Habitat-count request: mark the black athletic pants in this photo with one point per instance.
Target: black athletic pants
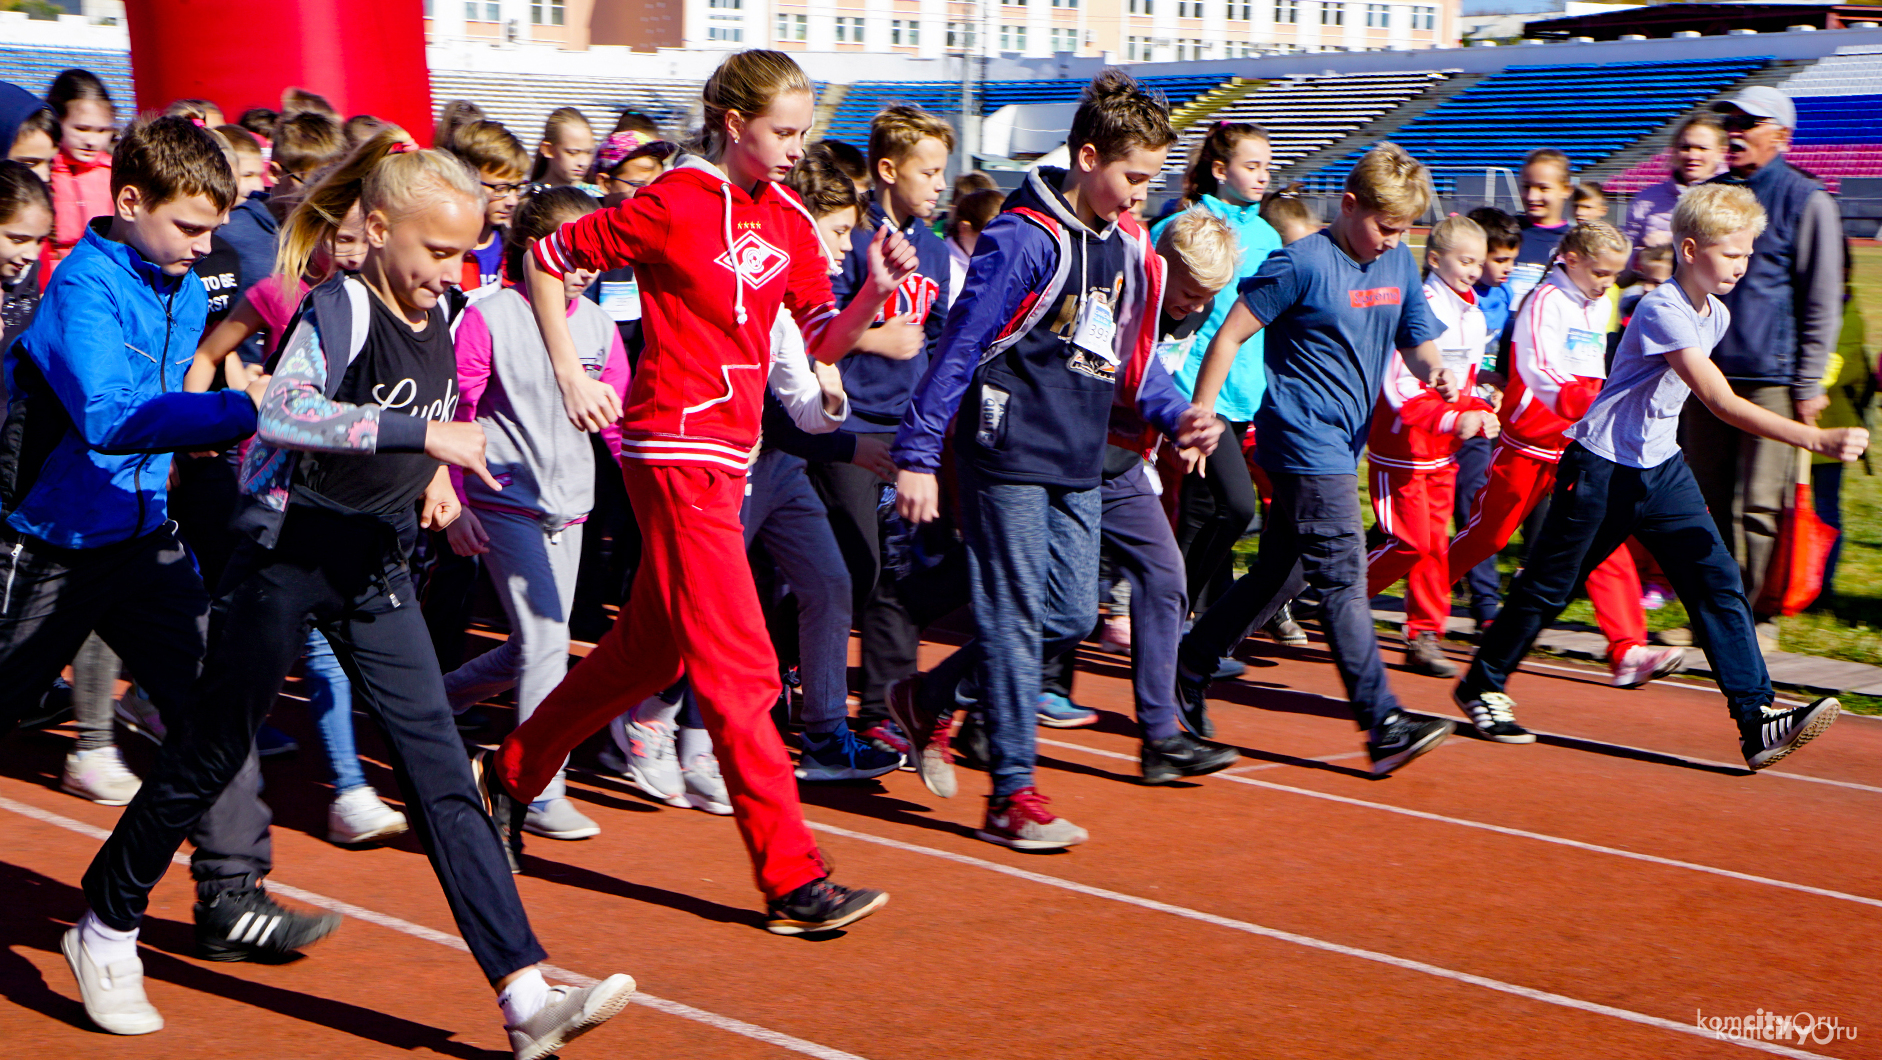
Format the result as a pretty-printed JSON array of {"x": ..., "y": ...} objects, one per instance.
[{"x": 348, "y": 573}]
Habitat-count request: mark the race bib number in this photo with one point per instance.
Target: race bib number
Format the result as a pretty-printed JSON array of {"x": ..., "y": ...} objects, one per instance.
[
  {"x": 621, "y": 300},
  {"x": 1097, "y": 329},
  {"x": 1587, "y": 354},
  {"x": 1174, "y": 353}
]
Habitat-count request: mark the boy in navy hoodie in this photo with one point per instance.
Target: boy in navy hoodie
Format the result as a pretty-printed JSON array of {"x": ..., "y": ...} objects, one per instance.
[
  {"x": 96, "y": 409},
  {"x": 1056, "y": 323},
  {"x": 908, "y": 158}
]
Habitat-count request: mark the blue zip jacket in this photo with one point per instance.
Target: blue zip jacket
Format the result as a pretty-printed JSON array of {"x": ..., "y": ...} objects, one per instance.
[
  {"x": 95, "y": 383},
  {"x": 1247, "y": 382},
  {"x": 1017, "y": 274},
  {"x": 878, "y": 387}
]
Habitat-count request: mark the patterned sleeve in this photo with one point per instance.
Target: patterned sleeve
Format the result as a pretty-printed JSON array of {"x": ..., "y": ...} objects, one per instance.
[{"x": 296, "y": 413}]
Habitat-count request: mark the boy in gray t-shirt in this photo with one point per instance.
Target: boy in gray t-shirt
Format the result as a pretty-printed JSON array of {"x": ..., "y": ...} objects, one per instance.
[{"x": 1619, "y": 479}]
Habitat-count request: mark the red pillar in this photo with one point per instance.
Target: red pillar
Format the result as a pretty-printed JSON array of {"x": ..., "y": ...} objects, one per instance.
[{"x": 366, "y": 56}]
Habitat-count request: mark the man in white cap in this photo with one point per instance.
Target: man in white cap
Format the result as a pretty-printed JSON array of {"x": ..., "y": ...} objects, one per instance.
[{"x": 1786, "y": 314}]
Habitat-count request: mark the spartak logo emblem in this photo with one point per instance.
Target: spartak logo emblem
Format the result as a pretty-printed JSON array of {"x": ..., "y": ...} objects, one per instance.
[{"x": 754, "y": 260}]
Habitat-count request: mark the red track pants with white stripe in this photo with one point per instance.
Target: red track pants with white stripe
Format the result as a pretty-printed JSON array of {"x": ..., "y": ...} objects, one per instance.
[
  {"x": 1414, "y": 508},
  {"x": 1517, "y": 483},
  {"x": 693, "y": 612}
]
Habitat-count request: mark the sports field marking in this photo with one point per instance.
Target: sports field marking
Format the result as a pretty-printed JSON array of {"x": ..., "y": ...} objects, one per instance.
[
  {"x": 445, "y": 938},
  {"x": 1319, "y": 944},
  {"x": 1505, "y": 830}
]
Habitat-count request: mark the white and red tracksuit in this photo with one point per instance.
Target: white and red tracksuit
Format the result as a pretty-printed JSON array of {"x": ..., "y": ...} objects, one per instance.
[
  {"x": 714, "y": 264},
  {"x": 1558, "y": 360},
  {"x": 1412, "y": 457}
]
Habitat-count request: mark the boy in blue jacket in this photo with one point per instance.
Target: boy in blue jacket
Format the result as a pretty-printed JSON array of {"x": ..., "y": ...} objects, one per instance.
[
  {"x": 1056, "y": 323},
  {"x": 96, "y": 409},
  {"x": 908, "y": 158}
]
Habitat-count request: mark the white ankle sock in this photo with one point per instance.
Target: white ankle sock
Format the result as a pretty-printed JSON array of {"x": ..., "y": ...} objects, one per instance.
[
  {"x": 692, "y": 744},
  {"x": 523, "y": 998},
  {"x": 107, "y": 945},
  {"x": 654, "y": 709}
]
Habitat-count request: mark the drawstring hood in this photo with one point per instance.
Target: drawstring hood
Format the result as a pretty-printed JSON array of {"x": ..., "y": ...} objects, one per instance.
[{"x": 738, "y": 282}]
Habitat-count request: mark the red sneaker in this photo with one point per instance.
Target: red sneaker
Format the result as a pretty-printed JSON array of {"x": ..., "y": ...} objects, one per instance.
[
  {"x": 1021, "y": 821},
  {"x": 929, "y": 736}
]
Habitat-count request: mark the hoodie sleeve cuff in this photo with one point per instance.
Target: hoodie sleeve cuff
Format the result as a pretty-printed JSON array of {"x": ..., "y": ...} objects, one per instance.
[{"x": 401, "y": 434}]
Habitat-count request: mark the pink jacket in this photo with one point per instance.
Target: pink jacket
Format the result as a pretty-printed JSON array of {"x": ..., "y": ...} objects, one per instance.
[{"x": 80, "y": 192}]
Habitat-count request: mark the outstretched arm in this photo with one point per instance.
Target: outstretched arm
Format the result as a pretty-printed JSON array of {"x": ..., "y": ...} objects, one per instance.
[{"x": 1702, "y": 374}]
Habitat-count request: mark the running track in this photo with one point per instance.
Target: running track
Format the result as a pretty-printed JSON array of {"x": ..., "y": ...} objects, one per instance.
[{"x": 1588, "y": 896}]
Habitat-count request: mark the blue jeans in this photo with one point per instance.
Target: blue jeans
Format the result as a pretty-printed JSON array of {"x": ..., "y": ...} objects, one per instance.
[
  {"x": 1032, "y": 556},
  {"x": 330, "y": 700},
  {"x": 1313, "y": 536},
  {"x": 1483, "y": 581},
  {"x": 1597, "y": 505},
  {"x": 782, "y": 510}
]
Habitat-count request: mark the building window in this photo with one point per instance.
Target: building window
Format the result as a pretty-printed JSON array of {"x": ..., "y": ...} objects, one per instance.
[
  {"x": 546, "y": 12},
  {"x": 1243, "y": 10},
  {"x": 1141, "y": 7},
  {"x": 1064, "y": 3},
  {"x": 1137, "y": 49},
  {"x": 1012, "y": 3},
  {"x": 961, "y": 35},
  {"x": 1012, "y": 38},
  {"x": 1188, "y": 8},
  {"x": 1333, "y": 14},
  {"x": 1424, "y": 18},
  {"x": 793, "y": 27},
  {"x": 1286, "y": 11},
  {"x": 484, "y": 11},
  {"x": 726, "y": 5},
  {"x": 908, "y": 32},
  {"x": 849, "y": 30},
  {"x": 1378, "y": 16},
  {"x": 734, "y": 34}
]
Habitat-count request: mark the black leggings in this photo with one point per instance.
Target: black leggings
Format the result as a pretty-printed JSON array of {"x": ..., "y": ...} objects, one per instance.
[{"x": 1217, "y": 509}]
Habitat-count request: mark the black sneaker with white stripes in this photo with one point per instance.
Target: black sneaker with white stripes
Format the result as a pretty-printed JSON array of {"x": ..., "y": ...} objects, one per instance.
[
  {"x": 1779, "y": 732},
  {"x": 247, "y": 925},
  {"x": 1492, "y": 716}
]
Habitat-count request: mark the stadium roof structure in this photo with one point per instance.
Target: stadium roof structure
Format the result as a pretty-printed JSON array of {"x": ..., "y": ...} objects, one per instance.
[{"x": 1714, "y": 19}]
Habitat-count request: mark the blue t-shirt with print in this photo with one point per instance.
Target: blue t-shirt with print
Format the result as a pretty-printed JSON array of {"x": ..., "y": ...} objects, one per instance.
[{"x": 1331, "y": 323}]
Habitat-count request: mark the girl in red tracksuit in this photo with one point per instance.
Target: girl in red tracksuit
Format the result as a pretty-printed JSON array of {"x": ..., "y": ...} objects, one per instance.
[
  {"x": 1558, "y": 359},
  {"x": 718, "y": 247},
  {"x": 1412, "y": 450}
]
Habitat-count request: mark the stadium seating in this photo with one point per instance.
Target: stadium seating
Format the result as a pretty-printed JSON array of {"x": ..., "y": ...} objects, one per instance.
[
  {"x": 523, "y": 101},
  {"x": 1587, "y": 111},
  {"x": 34, "y": 68},
  {"x": 1304, "y": 114},
  {"x": 850, "y": 123}
]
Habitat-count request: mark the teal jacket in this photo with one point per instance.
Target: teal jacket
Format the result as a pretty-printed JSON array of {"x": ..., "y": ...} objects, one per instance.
[{"x": 1248, "y": 379}]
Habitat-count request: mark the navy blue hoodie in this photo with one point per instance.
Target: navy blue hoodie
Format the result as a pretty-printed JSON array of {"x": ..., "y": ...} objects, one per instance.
[
  {"x": 1038, "y": 408},
  {"x": 878, "y": 387}
]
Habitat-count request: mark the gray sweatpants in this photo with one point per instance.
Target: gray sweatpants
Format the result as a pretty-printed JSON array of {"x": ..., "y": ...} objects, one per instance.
[{"x": 534, "y": 571}]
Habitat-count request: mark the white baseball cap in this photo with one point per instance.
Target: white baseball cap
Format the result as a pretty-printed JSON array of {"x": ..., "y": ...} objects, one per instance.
[{"x": 1763, "y": 101}]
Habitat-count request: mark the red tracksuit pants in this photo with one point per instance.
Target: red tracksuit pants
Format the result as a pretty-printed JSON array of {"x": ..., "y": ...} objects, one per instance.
[
  {"x": 693, "y": 612},
  {"x": 1414, "y": 508},
  {"x": 1517, "y": 483}
]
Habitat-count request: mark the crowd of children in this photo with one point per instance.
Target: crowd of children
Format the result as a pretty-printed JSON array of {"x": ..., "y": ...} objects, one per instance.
[{"x": 283, "y": 393}]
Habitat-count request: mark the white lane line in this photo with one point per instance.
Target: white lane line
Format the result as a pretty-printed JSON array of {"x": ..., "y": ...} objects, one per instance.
[
  {"x": 1319, "y": 944},
  {"x": 1504, "y": 830},
  {"x": 443, "y": 938},
  {"x": 1240, "y": 771}
]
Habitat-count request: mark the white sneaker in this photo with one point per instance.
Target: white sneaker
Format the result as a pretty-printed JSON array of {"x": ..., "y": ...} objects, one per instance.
[
  {"x": 1642, "y": 664},
  {"x": 101, "y": 776},
  {"x": 647, "y": 757},
  {"x": 558, "y": 819},
  {"x": 569, "y": 1014},
  {"x": 705, "y": 788},
  {"x": 357, "y": 815},
  {"x": 114, "y": 995}
]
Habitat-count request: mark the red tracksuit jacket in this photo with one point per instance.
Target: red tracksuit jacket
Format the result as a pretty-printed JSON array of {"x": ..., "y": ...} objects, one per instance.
[
  {"x": 1558, "y": 360},
  {"x": 714, "y": 265},
  {"x": 1412, "y": 425}
]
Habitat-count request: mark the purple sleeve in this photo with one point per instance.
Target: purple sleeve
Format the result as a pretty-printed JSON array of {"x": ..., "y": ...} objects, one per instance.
[{"x": 616, "y": 373}]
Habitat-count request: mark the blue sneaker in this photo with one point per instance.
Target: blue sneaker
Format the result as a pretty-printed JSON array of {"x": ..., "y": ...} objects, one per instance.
[
  {"x": 840, "y": 755},
  {"x": 1059, "y": 712}
]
